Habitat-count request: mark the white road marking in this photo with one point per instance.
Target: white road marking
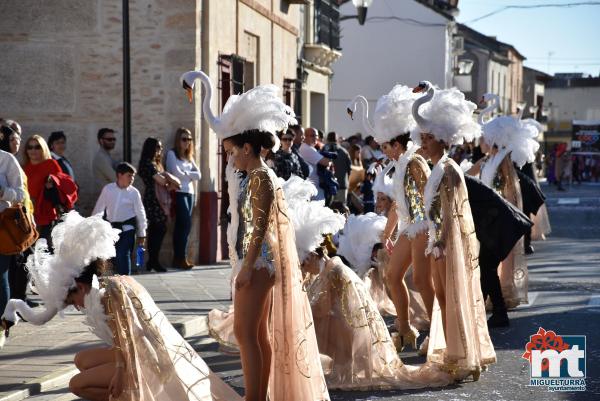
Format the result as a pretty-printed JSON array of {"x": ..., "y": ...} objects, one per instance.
[
  {"x": 568, "y": 201},
  {"x": 594, "y": 302}
]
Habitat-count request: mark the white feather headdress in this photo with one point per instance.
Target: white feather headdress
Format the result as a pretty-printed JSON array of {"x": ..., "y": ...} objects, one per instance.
[
  {"x": 311, "y": 221},
  {"x": 77, "y": 242},
  {"x": 384, "y": 182},
  {"x": 448, "y": 116},
  {"x": 360, "y": 234},
  {"x": 393, "y": 114},
  {"x": 518, "y": 137},
  {"x": 297, "y": 190}
]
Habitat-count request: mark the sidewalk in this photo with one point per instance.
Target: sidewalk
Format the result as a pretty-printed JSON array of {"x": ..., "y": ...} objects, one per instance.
[{"x": 38, "y": 359}]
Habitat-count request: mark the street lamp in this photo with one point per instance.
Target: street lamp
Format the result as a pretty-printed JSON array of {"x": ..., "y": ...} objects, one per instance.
[{"x": 361, "y": 11}]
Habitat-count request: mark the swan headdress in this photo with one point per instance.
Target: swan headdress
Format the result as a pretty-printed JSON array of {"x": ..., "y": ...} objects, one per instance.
[
  {"x": 358, "y": 238},
  {"x": 392, "y": 115},
  {"x": 311, "y": 220},
  {"x": 383, "y": 182},
  {"x": 259, "y": 108},
  {"x": 446, "y": 114},
  {"x": 77, "y": 242},
  {"x": 518, "y": 137}
]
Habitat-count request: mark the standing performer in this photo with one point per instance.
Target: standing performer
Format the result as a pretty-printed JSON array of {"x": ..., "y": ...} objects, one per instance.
[
  {"x": 458, "y": 339},
  {"x": 145, "y": 358},
  {"x": 393, "y": 122},
  {"x": 269, "y": 302},
  {"x": 507, "y": 139}
]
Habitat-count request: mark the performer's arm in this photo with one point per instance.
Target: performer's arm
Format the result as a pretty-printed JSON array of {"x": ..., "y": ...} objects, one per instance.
[{"x": 262, "y": 196}]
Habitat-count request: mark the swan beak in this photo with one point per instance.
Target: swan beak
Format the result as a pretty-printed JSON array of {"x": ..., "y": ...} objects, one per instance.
[
  {"x": 350, "y": 113},
  {"x": 190, "y": 94},
  {"x": 419, "y": 88}
]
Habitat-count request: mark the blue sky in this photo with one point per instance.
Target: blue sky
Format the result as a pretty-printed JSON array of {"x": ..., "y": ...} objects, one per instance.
[{"x": 572, "y": 35}]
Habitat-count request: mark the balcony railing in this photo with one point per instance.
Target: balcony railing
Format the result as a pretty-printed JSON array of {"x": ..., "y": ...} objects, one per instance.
[{"x": 327, "y": 23}]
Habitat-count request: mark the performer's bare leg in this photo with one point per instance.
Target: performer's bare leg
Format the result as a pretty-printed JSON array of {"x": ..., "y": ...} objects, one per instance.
[
  {"x": 398, "y": 265},
  {"x": 439, "y": 279},
  {"x": 265, "y": 348},
  {"x": 93, "y": 382},
  {"x": 250, "y": 305},
  {"x": 422, "y": 276}
]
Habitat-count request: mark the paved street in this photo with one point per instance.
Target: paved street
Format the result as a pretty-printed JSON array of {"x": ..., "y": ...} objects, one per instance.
[{"x": 564, "y": 296}]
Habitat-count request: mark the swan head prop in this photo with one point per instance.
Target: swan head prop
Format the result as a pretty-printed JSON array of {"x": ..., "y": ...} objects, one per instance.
[
  {"x": 422, "y": 86},
  {"x": 259, "y": 108},
  {"x": 488, "y": 97},
  {"x": 351, "y": 109},
  {"x": 445, "y": 114}
]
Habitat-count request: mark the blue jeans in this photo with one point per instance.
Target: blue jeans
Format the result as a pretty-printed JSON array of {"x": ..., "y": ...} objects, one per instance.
[
  {"x": 184, "y": 205},
  {"x": 4, "y": 287},
  {"x": 124, "y": 248}
]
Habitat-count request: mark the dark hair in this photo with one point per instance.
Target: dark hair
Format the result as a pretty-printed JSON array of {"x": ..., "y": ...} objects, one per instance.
[
  {"x": 99, "y": 267},
  {"x": 332, "y": 137},
  {"x": 255, "y": 138},
  {"x": 369, "y": 139},
  {"x": 124, "y": 168},
  {"x": 55, "y": 136},
  {"x": 320, "y": 134},
  {"x": 5, "y": 133},
  {"x": 288, "y": 131},
  {"x": 148, "y": 150},
  {"x": 401, "y": 139},
  {"x": 104, "y": 131}
]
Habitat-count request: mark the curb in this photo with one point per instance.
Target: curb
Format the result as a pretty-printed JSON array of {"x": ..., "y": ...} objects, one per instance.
[{"x": 186, "y": 327}]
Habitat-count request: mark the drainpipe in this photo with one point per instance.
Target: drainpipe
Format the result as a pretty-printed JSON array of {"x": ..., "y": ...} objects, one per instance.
[
  {"x": 126, "y": 86},
  {"x": 208, "y": 203}
]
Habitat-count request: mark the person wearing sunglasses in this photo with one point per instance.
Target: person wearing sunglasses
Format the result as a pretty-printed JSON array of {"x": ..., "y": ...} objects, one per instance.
[
  {"x": 287, "y": 163},
  {"x": 103, "y": 164},
  {"x": 180, "y": 163},
  {"x": 39, "y": 167}
]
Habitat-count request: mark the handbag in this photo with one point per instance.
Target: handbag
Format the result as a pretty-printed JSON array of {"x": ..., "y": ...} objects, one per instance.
[{"x": 17, "y": 230}]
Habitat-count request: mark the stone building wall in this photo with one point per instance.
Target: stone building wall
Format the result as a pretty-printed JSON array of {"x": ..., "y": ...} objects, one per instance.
[{"x": 62, "y": 70}]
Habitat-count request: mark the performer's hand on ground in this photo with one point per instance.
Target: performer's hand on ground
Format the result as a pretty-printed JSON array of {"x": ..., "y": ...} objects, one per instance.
[{"x": 243, "y": 278}]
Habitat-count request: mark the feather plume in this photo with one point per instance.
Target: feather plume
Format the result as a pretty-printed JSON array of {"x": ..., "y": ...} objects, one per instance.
[
  {"x": 393, "y": 114},
  {"x": 359, "y": 235},
  {"x": 449, "y": 118},
  {"x": 519, "y": 137},
  {"x": 311, "y": 221}
]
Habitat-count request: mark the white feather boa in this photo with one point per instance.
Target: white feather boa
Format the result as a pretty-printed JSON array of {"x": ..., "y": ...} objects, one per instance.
[
  {"x": 431, "y": 190},
  {"x": 234, "y": 180},
  {"x": 399, "y": 176},
  {"x": 490, "y": 167},
  {"x": 95, "y": 316}
]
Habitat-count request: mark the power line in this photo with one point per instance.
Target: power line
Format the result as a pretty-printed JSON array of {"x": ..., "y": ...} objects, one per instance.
[{"x": 550, "y": 5}]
